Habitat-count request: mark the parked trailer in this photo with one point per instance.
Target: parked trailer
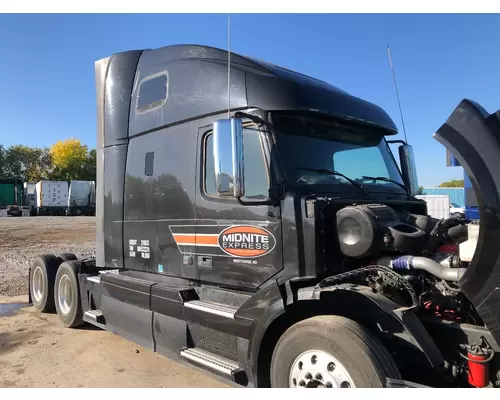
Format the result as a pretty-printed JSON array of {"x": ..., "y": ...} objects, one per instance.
[
  {"x": 11, "y": 196},
  {"x": 81, "y": 198},
  {"x": 29, "y": 200},
  {"x": 51, "y": 197},
  {"x": 438, "y": 206},
  {"x": 260, "y": 249}
]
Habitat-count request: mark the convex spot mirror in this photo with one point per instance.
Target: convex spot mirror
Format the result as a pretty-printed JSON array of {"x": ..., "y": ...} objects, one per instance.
[{"x": 228, "y": 157}]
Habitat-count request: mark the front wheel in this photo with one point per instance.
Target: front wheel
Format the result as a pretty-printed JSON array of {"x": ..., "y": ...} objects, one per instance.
[{"x": 330, "y": 352}]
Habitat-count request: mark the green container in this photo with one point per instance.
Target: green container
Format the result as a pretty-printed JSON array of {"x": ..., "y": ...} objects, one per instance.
[{"x": 11, "y": 192}]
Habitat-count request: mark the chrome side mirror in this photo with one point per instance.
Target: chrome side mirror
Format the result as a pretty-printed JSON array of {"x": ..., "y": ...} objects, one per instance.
[{"x": 228, "y": 157}]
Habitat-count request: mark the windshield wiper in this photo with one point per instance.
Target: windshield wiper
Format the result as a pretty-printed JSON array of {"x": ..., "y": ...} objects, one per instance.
[
  {"x": 385, "y": 179},
  {"x": 331, "y": 172}
]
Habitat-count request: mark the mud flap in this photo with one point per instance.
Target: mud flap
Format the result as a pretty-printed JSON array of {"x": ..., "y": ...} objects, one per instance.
[{"x": 473, "y": 137}]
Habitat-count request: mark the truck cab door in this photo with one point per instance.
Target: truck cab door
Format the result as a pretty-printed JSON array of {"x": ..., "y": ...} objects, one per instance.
[
  {"x": 473, "y": 137},
  {"x": 238, "y": 241}
]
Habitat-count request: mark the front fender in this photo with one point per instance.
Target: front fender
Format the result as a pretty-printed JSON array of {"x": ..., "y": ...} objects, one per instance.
[{"x": 397, "y": 325}]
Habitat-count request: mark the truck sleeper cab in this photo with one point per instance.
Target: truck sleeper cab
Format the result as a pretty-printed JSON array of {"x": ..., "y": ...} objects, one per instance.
[{"x": 275, "y": 247}]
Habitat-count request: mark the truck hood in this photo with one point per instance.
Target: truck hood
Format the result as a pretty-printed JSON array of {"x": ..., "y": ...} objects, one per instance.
[{"x": 473, "y": 137}]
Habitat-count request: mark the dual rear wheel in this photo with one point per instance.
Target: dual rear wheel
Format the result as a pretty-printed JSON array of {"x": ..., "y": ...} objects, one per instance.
[{"x": 54, "y": 287}]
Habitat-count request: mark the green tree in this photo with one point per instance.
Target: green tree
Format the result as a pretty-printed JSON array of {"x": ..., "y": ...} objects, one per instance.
[
  {"x": 2, "y": 160},
  {"x": 454, "y": 183},
  {"x": 420, "y": 190}
]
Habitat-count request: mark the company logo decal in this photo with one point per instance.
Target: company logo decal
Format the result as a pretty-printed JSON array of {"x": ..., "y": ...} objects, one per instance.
[
  {"x": 240, "y": 241},
  {"x": 246, "y": 241}
]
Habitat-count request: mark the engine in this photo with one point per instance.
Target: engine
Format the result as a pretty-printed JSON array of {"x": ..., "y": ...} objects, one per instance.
[{"x": 410, "y": 258}]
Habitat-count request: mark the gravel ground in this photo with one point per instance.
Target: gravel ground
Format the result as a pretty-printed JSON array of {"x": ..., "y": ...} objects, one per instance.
[{"x": 23, "y": 238}]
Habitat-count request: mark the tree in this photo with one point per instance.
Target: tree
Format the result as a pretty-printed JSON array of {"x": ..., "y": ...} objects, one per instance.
[
  {"x": 90, "y": 167},
  {"x": 70, "y": 159},
  {"x": 2, "y": 160},
  {"x": 22, "y": 162},
  {"x": 454, "y": 183},
  {"x": 420, "y": 190},
  {"x": 66, "y": 160}
]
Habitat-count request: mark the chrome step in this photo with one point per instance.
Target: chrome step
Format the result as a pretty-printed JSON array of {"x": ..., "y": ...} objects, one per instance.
[
  {"x": 209, "y": 360},
  {"x": 211, "y": 307},
  {"x": 95, "y": 316},
  {"x": 95, "y": 279}
]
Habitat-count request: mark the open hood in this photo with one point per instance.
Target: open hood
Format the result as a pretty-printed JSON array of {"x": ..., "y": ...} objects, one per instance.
[{"x": 473, "y": 137}]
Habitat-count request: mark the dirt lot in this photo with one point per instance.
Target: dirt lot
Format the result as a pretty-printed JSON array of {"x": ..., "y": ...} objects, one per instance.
[
  {"x": 23, "y": 238},
  {"x": 36, "y": 351}
]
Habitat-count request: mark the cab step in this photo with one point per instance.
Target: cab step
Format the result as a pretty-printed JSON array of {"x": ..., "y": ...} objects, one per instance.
[
  {"x": 203, "y": 358},
  {"x": 95, "y": 316},
  {"x": 211, "y": 307},
  {"x": 95, "y": 279}
]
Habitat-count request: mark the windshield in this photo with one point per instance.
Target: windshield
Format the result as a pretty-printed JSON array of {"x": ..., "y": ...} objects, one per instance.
[{"x": 310, "y": 147}]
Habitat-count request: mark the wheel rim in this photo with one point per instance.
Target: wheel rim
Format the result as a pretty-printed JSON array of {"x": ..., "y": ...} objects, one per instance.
[
  {"x": 318, "y": 369},
  {"x": 37, "y": 284},
  {"x": 65, "y": 294}
]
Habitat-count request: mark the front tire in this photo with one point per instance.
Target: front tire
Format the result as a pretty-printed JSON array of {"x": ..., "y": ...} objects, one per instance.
[
  {"x": 67, "y": 295},
  {"x": 332, "y": 352}
]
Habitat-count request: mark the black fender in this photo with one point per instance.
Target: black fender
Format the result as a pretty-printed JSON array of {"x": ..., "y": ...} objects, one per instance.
[
  {"x": 396, "y": 324},
  {"x": 266, "y": 308}
]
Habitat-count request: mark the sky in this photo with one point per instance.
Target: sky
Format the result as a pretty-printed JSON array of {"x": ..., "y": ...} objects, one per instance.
[{"x": 47, "y": 68}]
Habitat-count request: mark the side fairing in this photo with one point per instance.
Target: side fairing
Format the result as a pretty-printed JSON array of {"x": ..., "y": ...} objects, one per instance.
[{"x": 473, "y": 137}]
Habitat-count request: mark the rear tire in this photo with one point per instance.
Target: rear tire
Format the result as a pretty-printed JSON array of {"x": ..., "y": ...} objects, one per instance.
[
  {"x": 67, "y": 294},
  {"x": 331, "y": 351},
  {"x": 42, "y": 276},
  {"x": 67, "y": 256}
]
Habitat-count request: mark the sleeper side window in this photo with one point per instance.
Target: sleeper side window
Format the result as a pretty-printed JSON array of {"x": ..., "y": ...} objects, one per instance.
[
  {"x": 256, "y": 173},
  {"x": 152, "y": 93}
]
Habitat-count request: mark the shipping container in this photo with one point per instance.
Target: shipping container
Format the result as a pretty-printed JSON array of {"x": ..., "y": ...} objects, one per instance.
[
  {"x": 438, "y": 206},
  {"x": 81, "y": 198},
  {"x": 51, "y": 197},
  {"x": 11, "y": 192}
]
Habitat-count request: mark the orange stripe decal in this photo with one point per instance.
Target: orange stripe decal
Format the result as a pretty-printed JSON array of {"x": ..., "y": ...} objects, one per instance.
[{"x": 195, "y": 239}]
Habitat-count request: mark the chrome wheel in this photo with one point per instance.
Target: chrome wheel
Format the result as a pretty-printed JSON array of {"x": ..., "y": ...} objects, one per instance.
[
  {"x": 37, "y": 284},
  {"x": 318, "y": 369},
  {"x": 64, "y": 294}
]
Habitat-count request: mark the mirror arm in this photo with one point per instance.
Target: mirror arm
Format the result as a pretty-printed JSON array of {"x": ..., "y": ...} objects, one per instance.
[
  {"x": 251, "y": 117},
  {"x": 396, "y": 141}
]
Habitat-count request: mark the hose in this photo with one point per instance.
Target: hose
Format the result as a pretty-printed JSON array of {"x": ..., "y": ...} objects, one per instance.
[{"x": 431, "y": 266}]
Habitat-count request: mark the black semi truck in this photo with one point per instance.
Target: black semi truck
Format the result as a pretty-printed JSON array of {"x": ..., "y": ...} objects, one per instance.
[{"x": 276, "y": 242}]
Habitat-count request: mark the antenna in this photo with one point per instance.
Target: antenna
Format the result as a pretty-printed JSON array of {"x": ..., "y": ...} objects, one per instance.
[
  {"x": 397, "y": 93},
  {"x": 229, "y": 66}
]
